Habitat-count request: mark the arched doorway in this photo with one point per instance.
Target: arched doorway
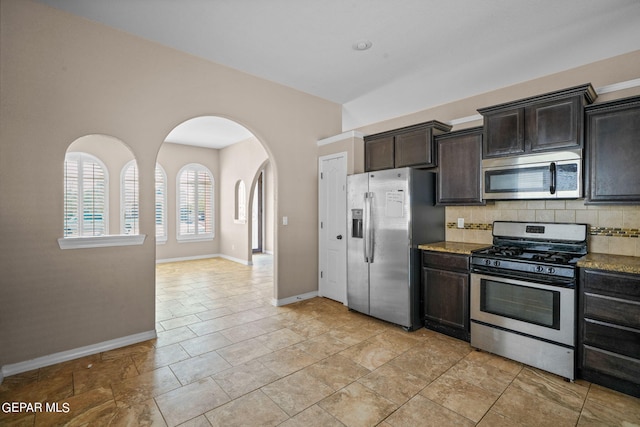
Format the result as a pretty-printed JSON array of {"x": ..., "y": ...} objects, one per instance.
[{"x": 229, "y": 154}]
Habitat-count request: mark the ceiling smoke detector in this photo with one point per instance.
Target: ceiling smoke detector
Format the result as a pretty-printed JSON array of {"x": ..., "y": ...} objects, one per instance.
[{"x": 362, "y": 45}]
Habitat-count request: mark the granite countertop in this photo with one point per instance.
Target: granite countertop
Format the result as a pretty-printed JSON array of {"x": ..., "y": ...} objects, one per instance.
[
  {"x": 617, "y": 263},
  {"x": 453, "y": 247}
]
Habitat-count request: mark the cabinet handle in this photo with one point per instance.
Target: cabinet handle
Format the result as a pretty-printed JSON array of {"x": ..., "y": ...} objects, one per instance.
[{"x": 552, "y": 171}]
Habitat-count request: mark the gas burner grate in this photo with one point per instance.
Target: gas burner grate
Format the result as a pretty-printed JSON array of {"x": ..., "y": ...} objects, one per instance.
[
  {"x": 553, "y": 257},
  {"x": 509, "y": 251}
]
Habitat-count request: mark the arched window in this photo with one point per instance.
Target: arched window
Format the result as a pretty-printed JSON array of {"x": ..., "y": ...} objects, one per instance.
[
  {"x": 85, "y": 196},
  {"x": 161, "y": 204},
  {"x": 129, "y": 199},
  {"x": 241, "y": 202},
  {"x": 195, "y": 203}
]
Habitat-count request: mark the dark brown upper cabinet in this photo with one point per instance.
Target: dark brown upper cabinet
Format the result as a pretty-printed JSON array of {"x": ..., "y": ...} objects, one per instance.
[
  {"x": 613, "y": 152},
  {"x": 541, "y": 123},
  {"x": 408, "y": 146},
  {"x": 459, "y": 167}
]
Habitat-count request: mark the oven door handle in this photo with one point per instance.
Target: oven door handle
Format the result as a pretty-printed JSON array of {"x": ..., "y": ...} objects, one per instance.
[{"x": 553, "y": 173}]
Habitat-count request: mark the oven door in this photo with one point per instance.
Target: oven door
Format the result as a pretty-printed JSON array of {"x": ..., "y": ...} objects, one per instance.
[
  {"x": 533, "y": 177},
  {"x": 539, "y": 310}
]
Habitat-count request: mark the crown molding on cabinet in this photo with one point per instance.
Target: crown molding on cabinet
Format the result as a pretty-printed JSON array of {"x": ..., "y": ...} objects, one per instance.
[{"x": 618, "y": 86}]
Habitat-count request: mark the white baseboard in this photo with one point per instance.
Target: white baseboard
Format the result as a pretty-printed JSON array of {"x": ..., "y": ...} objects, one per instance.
[
  {"x": 295, "y": 298},
  {"x": 188, "y": 258},
  {"x": 196, "y": 257},
  {"x": 238, "y": 260},
  {"x": 64, "y": 356}
]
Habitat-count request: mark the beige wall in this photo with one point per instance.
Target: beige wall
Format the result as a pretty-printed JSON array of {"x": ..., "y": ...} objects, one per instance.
[
  {"x": 172, "y": 158},
  {"x": 63, "y": 77},
  {"x": 348, "y": 143},
  {"x": 241, "y": 161},
  {"x": 269, "y": 206},
  {"x": 602, "y": 73}
]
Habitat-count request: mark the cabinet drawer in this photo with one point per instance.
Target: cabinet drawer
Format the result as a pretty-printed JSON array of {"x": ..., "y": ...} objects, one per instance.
[
  {"x": 626, "y": 286},
  {"x": 613, "y": 364},
  {"x": 445, "y": 261},
  {"x": 625, "y": 341},
  {"x": 610, "y": 309}
]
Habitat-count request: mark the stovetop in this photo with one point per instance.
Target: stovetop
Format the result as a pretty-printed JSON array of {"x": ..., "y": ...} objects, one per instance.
[
  {"x": 533, "y": 250},
  {"x": 515, "y": 253}
]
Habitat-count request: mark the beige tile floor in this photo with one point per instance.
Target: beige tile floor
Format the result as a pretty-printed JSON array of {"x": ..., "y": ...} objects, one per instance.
[{"x": 225, "y": 356}]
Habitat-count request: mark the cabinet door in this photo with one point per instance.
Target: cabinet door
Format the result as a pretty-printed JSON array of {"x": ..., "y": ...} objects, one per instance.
[
  {"x": 504, "y": 133},
  {"x": 554, "y": 124},
  {"x": 378, "y": 154},
  {"x": 613, "y": 154},
  {"x": 459, "y": 168},
  {"x": 414, "y": 149},
  {"x": 446, "y": 297}
]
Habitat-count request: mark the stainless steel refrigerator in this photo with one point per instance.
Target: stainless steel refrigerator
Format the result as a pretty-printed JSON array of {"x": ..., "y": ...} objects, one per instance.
[{"x": 390, "y": 212}]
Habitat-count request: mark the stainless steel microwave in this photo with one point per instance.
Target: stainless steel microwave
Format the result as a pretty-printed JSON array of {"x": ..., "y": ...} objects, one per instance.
[{"x": 550, "y": 175}]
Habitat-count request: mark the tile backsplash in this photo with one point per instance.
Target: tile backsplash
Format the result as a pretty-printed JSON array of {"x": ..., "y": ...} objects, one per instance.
[{"x": 612, "y": 229}]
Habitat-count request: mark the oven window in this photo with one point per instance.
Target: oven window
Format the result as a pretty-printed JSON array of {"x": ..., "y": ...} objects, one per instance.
[{"x": 525, "y": 303}]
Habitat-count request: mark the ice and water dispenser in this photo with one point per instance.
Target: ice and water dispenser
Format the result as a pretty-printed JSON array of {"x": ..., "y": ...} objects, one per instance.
[{"x": 356, "y": 223}]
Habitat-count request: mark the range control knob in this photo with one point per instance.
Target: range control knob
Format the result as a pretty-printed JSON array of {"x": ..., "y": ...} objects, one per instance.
[
  {"x": 539, "y": 269},
  {"x": 487, "y": 262},
  {"x": 496, "y": 263},
  {"x": 551, "y": 270}
]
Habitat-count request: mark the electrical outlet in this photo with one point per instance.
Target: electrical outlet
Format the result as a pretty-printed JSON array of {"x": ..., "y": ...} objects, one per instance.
[
  {"x": 460, "y": 222},
  {"x": 285, "y": 220}
]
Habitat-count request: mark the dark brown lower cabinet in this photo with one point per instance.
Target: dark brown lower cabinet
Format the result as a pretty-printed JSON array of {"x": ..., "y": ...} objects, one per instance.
[
  {"x": 609, "y": 330},
  {"x": 445, "y": 287}
]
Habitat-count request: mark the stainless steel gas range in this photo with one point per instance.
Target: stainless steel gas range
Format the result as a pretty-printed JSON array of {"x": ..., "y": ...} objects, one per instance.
[{"x": 523, "y": 299}]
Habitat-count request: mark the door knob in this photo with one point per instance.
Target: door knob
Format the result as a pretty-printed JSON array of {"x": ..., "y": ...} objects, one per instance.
[{"x": 339, "y": 237}]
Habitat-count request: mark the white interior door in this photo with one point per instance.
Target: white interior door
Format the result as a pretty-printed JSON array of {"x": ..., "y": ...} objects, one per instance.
[{"x": 332, "y": 203}]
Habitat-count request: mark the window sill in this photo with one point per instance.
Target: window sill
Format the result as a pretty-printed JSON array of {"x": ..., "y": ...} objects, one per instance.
[{"x": 101, "y": 241}]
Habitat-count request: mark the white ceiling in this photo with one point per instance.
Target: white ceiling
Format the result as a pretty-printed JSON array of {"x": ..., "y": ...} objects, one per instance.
[
  {"x": 211, "y": 132},
  {"x": 424, "y": 52}
]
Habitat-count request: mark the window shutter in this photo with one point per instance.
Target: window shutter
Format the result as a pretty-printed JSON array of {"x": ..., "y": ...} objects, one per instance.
[
  {"x": 195, "y": 195},
  {"x": 130, "y": 199},
  {"x": 93, "y": 203},
  {"x": 71, "y": 198},
  {"x": 85, "y": 196},
  {"x": 161, "y": 203},
  {"x": 205, "y": 204}
]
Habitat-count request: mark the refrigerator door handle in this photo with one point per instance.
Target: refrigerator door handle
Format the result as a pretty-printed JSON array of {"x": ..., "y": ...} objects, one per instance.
[{"x": 368, "y": 233}]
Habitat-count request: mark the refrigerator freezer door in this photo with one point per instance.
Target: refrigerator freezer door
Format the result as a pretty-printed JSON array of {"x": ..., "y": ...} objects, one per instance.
[
  {"x": 357, "y": 267},
  {"x": 389, "y": 284}
]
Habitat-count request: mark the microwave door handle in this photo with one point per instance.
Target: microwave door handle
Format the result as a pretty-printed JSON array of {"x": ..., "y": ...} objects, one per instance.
[{"x": 552, "y": 172}]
